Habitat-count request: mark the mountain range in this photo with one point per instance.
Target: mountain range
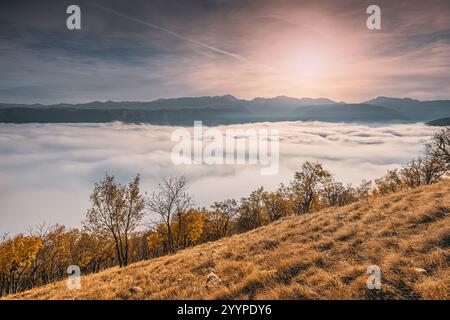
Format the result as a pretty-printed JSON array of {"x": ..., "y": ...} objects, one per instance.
[{"x": 227, "y": 109}]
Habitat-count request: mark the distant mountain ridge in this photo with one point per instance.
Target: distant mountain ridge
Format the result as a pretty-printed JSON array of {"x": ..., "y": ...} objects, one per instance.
[
  {"x": 442, "y": 122},
  {"x": 225, "y": 101},
  {"x": 228, "y": 109},
  {"x": 415, "y": 110},
  {"x": 160, "y": 104}
]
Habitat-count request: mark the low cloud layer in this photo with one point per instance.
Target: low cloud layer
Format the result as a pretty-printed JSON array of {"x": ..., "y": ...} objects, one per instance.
[{"x": 47, "y": 170}]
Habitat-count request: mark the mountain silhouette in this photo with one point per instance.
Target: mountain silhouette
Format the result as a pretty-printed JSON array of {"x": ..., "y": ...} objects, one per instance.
[{"x": 227, "y": 109}]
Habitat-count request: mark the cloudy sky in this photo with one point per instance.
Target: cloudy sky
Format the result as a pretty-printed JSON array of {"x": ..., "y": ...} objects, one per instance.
[
  {"x": 47, "y": 171},
  {"x": 148, "y": 49}
]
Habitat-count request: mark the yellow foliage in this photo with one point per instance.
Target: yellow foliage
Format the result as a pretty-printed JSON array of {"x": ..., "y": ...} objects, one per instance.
[
  {"x": 192, "y": 225},
  {"x": 156, "y": 240},
  {"x": 187, "y": 227},
  {"x": 19, "y": 253}
]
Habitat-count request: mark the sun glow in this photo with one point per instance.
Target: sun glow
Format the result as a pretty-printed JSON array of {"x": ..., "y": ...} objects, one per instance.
[{"x": 308, "y": 64}]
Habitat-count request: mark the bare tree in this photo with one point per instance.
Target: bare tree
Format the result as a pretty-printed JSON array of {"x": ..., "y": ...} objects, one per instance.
[
  {"x": 331, "y": 192},
  {"x": 433, "y": 169},
  {"x": 412, "y": 173},
  {"x": 439, "y": 146},
  {"x": 424, "y": 170},
  {"x": 171, "y": 198},
  {"x": 116, "y": 210}
]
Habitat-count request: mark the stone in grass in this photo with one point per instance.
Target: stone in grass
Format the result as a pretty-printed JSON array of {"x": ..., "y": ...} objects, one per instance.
[
  {"x": 135, "y": 290},
  {"x": 212, "y": 277}
]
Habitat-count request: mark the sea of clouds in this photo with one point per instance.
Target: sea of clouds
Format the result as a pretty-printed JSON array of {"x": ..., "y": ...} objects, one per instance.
[{"x": 47, "y": 170}]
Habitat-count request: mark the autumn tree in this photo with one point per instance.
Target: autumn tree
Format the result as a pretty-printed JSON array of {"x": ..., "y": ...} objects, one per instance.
[
  {"x": 115, "y": 210},
  {"x": 157, "y": 241},
  {"x": 55, "y": 255},
  {"x": 16, "y": 256},
  {"x": 171, "y": 198},
  {"x": 412, "y": 173},
  {"x": 306, "y": 186},
  {"x": 433, "y": 165},
  {"x": 252, "y": 211},
  {"x": 276, "y": 204},
  {"x": 332, "y": 192},
  {"x": 220, "y": 217},
  {"x": 188, "y": 227},
  {"x": 92, "y": 253},
  {"x": 139, "y": 249},
  {"x": 423, "y": 170},
  {"x": 389, "y": 183}
]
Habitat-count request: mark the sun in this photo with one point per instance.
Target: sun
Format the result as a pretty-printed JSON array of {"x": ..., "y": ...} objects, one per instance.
[{"x": 309, "y": 61}]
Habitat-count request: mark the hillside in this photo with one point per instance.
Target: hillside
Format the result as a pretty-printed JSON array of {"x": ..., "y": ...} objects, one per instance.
[
  {"x": 443, "y": 122},
  {"x": 323, "y": 255}
]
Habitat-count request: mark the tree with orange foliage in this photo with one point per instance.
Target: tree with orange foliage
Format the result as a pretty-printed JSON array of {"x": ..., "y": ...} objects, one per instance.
[
  {"x": 188, "y": 227},
  {"x": 276, "y": 204},
  {"x": 306, "y": 186},
  {"x": 16, "y": 255},
  {"x": 219, "y": 218},
  {"x": 116, "y": 210},
  {"x": 252, "y": 213}
]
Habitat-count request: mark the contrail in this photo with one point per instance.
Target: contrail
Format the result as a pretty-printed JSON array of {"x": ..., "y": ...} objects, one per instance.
[{"x": 177, "y": 35}]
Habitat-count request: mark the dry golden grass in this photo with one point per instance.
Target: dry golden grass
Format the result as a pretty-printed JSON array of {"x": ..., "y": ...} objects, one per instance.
[{"x": 322, "y": 255}]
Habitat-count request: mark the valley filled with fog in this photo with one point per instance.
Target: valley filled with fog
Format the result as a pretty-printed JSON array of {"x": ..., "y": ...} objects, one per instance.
[{"x": 47, "y": 171}]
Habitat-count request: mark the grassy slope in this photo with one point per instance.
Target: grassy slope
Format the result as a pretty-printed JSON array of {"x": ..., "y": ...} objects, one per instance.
[{"x": 315, "y": 256}]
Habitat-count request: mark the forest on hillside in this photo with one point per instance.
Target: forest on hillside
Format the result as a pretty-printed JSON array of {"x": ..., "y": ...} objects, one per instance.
[{"x": 124, "y": 225}]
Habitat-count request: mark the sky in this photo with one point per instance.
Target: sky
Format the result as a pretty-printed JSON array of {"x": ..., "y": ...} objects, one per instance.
[
  {"x": 47, "y": 171},
  {"x": 145, "y": 50}
]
